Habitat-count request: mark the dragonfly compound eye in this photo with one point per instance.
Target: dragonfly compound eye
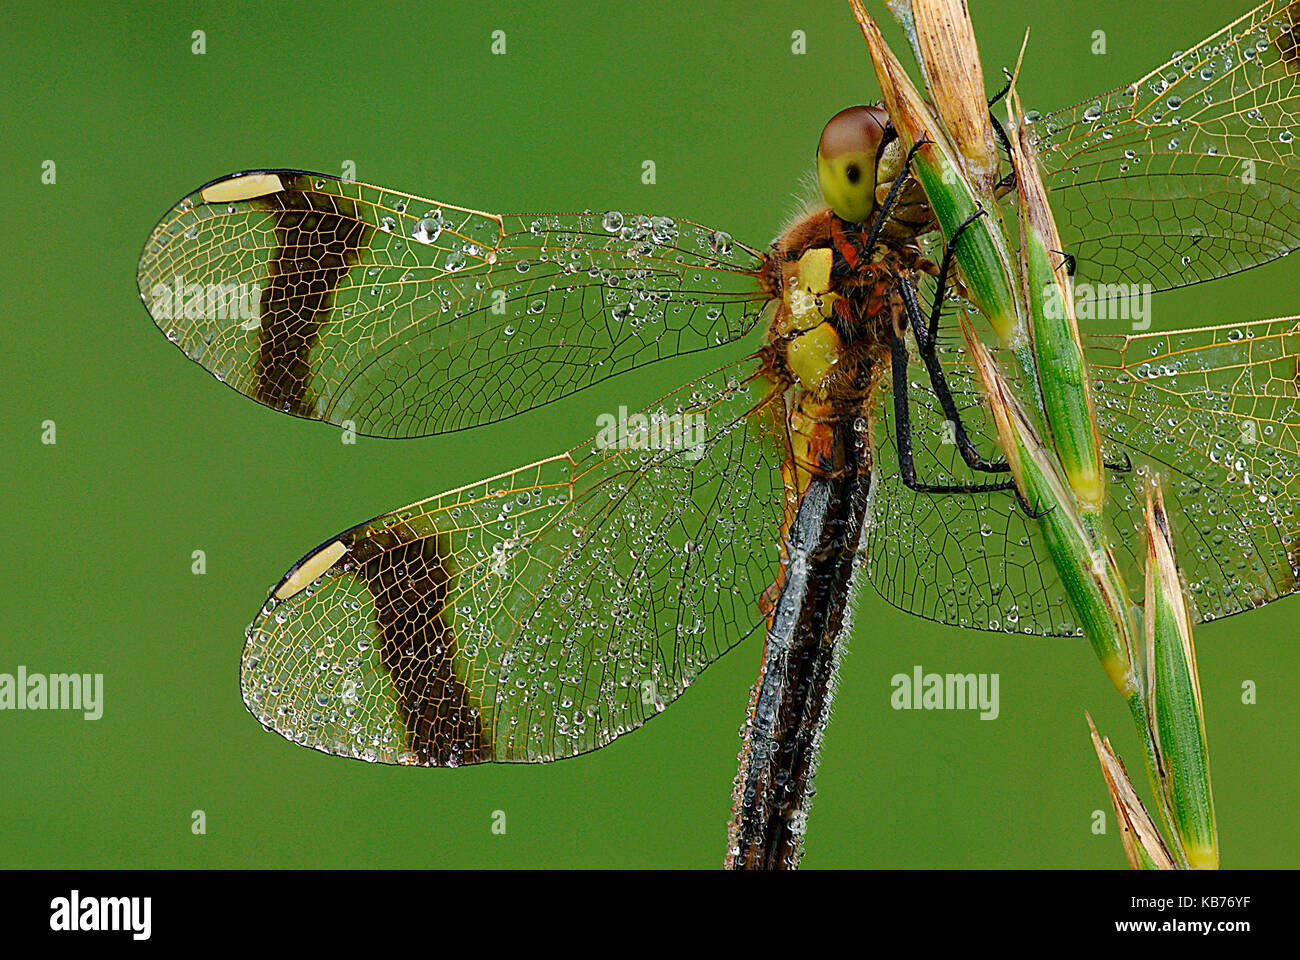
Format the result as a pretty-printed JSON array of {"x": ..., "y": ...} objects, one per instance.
[{"x": 846, "y": 161}]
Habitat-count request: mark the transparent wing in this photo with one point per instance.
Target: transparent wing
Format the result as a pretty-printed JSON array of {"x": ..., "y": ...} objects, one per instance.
[
  {"x": 1189, "y": 173},
  {"x": 539, "y": 614},
  {"x": 1214, "y": 410},
  {"x": 336, "y": 300}
]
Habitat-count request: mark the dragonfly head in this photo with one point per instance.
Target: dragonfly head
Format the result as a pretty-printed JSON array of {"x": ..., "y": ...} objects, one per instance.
[{"x": 852, "y": 148}]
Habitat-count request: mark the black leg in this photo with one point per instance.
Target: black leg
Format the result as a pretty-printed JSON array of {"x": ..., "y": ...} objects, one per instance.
[
  {"x": 903, "y": 432},
  {"x": 1003, "y": 92},
  {"x": 891, "y": 198},
  {"x": 926, "y": 337},
  {"x": 942, "y": 392},
  {"x": 903, "y": 436},
  {"x": 998, "y": 131},
  {"x": 945, "y": 265},
  {"x": 1000, "y": 134}
]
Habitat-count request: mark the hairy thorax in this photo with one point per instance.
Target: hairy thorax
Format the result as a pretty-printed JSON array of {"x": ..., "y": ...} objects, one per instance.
[
  {"x": 838, "y": 306},
  {"x": 828, "y": 342}
]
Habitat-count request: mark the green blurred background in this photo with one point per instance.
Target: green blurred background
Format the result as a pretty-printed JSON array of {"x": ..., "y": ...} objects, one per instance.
[{"x": 155, "y": 460}]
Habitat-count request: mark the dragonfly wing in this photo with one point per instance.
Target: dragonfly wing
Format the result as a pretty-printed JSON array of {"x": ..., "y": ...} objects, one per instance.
[
  {"x": 1214, "y": 410},
  {"x": 1191, "y": 172},
  {"x": 341, "y": 301},
  {"x": 539, "y": 614}
]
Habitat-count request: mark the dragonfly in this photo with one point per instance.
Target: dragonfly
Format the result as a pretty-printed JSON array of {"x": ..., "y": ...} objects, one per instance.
[{"x": 543, "y": 613}]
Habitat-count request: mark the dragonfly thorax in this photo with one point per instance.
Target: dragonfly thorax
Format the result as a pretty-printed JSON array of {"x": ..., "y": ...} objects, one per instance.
[{"x": 838, "y": 304}]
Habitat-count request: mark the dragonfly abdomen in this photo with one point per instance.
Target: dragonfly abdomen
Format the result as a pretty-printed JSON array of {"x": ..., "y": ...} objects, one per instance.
[{"x": 796, "y": 685}]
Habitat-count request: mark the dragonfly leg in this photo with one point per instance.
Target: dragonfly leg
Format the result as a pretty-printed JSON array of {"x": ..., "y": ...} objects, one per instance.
[
  {"x": 1007, "y": 183},
  {"x": 891, "y": 198},
  {"x": 997, "y": 97},
  {"x": 945, "y": 267},
  {"x": 998, "y": 132},
  {"x": 903, "y": 435},
  {"x": 926, "y": 334}
]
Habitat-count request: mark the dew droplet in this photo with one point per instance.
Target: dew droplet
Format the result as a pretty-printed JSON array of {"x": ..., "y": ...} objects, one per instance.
[{"x": 427, "y": 229}]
